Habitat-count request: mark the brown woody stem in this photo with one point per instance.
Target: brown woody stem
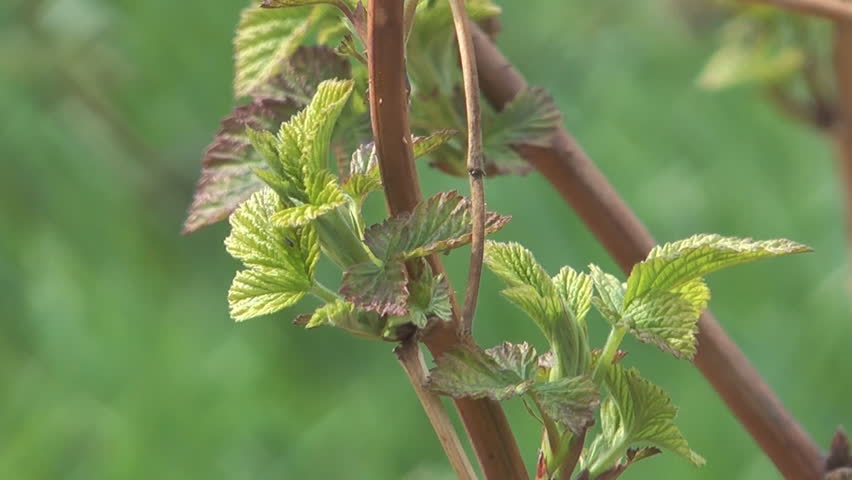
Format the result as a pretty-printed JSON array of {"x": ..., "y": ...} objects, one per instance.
[
  {"x": 474, "y": 163},
  {"x": 585, "y": 188},
  {"x": 411, "y": 359},
  {"x": 484, "y": 420},
  {"x": 843, "y": 128}
]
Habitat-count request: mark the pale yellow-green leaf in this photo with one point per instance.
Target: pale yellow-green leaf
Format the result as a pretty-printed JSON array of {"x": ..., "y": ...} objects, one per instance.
[
  {"x": 575, "y": 288},
  {"x": 304, "y": 140},
  {"x": 265, "y": 38},
  {"x": 279, "y": 261},
  {"x": 323, "y": 195},
  {"x": 258, "y": 292},
  {"x": 610, "y": 294}
]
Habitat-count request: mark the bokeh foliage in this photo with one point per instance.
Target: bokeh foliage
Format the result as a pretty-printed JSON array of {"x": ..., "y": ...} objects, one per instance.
[{"x": 117, "y": 357}]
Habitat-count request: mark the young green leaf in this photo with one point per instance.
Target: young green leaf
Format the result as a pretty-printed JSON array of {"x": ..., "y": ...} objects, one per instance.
[
  {"x": 610, "y": 298},
  {"x": 438, "y": 224},
  {"x": 429, "y": 297},
  {"x": 575, "y": 288},
  {"x": 303, "y": 71},
  {"x": 348, "y": 317},
  {"x": 280, "y": 261},
  {"x": 531, "y": 118},
  {"x": 425, "y": 145},
  {"x": 668, "y": 320},
  {"x": 665, "y": 294},
  {"x": 637, "y": 413},
  {"x": 227, "y": 177},
  {"x": 517, "y": 267},
  {"x": 534, "y": 292},
  {"x": 265, "y": 38},
  {"x": 381, "y": 289},
  {"x": 303, "y": 142},
  {"x": 673, "y": 264},
  {"x": 499, "y": 373},
  {"x": 570, "y": 401},
  {"x": 545, "y": 311},
  {"x": 364, "y": 176},
  {"x": 323, "y": 195}
]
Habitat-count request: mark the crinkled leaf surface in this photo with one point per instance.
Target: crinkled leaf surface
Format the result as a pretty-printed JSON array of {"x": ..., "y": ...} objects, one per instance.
[
  {"x": 641, "y": 413},
  {"x": 673, "y": 264},
  {"x": 437, "y": 224},
  {"x": 575, "y": 288},
  {"x": 531, "y": 118},
  {"x": 665, "y": 294},
  {"x": 323, "y": 195},
  {"x": 429, "y": 296},
  {"x": 534, "y": 292},
  {"x": 265, "y": 38},
  {"x": 348, "y": 317},
  {"x": 227, "y": 176},
  {"x": 570, "y": 401},
  {"x": 670, "y": 319},
  {"x": 610, "y": 294},
  {"x": 517, "y": 267},
  {"x": 364, "y": 176},
  {"x": 279, "y": 261},
  {"x": 498, "y": 374},
  {"x": 381, "y": 289},
  {"x": 304, "y": 141}
]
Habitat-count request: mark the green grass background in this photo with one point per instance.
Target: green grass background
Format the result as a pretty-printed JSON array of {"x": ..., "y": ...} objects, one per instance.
[{"x": 117, "y": 356}]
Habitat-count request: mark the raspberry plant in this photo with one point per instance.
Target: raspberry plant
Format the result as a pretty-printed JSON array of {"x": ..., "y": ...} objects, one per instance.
[{"x": 294, "y": 162}]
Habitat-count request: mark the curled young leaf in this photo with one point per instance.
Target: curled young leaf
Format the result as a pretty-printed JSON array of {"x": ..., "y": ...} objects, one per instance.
[
  {"x": 322, "y": 195},
  {"x": 381, "y": 289},
  {"x": 533, "y": 291},
  {"x": 572, "y": 402},
  {"x": 575, "y": 288},
  {"x": 346, "y": 316},
  {"x": 498, "y": 374}
]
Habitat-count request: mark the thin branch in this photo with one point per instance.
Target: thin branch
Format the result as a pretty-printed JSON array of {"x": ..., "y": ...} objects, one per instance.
[
  {"x": 830, "y": 9},
  {"x": 585, "y": 188},
  {"x": 843, "y": 130},
  {"x": 474, "y": 162},
  {"x": 484, "y": 420},
  {"x": 411, "y": 359}
]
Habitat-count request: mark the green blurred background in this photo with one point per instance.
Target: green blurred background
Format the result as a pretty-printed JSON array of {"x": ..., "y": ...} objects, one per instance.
[{"x": 117, "y": 356}]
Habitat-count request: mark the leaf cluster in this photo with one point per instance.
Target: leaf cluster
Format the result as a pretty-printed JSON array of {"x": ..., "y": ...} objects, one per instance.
[
  {"x": 306, "y": 209},
  {"x": 293, "y": 163},
  {"x": 659, "y": 304}
]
